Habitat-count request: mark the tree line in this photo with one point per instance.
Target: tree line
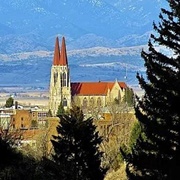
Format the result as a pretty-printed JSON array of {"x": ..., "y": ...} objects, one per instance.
[{"x": 156, "y": 153}]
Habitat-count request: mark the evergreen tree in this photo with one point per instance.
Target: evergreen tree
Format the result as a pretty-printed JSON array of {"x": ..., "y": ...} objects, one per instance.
[
  {"x": 60, "y": 110},
  {"x": 77, "y": 155},
  {"x": 156, "y": 154},
  {"x": 9, "y": 102},
  {"x": 129, "y": 97}
]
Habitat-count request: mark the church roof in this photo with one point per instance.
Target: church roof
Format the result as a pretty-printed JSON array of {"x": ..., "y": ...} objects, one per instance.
[
  {"x": 93, "y": 88},
  {"x": 122, "y": 85}
]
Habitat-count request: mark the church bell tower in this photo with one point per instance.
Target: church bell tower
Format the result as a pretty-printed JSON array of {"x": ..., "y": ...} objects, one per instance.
[{"x": 60, "y": 87}]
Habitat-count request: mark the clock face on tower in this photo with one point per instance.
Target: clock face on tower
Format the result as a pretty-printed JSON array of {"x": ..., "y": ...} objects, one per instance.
[{"x": 55, "y": 77}]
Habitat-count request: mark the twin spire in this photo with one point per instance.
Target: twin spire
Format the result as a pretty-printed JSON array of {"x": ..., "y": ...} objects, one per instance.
[{"x": 60, "y": 57}]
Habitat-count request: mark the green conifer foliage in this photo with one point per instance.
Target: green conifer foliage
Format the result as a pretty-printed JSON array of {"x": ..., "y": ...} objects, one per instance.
[
  {"x": 76, "y": 148},
  {"x": 129, "y": 97},
  {"x": 9, "y": 102},
  {"x": 60, "y": 110},
  {"x": 156, "y": 154}
]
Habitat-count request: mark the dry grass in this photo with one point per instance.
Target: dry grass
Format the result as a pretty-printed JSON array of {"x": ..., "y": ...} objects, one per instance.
[
  {"x": 38, "y": 98},
  {"x": 120, "y": 174}
]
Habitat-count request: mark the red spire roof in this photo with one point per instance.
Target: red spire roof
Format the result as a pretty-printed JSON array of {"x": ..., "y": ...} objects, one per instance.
[
  {"x": 63, "y": 58},
  {"x": 56, "y": 60}
]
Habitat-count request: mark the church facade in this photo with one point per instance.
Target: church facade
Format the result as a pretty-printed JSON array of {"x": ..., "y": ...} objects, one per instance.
[{"x": 87, "y": 95}]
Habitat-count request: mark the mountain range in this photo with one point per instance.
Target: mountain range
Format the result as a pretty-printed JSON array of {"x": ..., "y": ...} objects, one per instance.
[
  {"x": 33, "y": 24},
  {"x": 91, "y": 64},
  {"x": 102, "y": 36}
]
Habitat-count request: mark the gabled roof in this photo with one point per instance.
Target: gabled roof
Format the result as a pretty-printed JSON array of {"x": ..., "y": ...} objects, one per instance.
[
  {"x": 122, "y": 85},
  {"x": 63, "y": 57},
  {"x": 56, "y": 59},
  {"x": 93, "y": 88}
]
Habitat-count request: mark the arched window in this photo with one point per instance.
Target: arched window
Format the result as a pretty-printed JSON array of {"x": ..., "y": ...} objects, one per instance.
[
  {"x": 64, "y": 102},
  {"x": 55, "y": 77},
  {"x": 99, "y": 102},
  {"x": 64, "y": 79},
  {"x": 91, "y": 102},
  {"x": 84, "y": 103},
  {"x": 61, "y": 79}
]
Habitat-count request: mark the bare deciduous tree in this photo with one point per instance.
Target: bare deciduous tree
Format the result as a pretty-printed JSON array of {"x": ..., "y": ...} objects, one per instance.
[{"x": 116, "y": 132}]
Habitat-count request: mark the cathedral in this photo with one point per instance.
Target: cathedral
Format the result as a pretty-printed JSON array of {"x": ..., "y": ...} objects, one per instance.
[{"x": 87, "y": 95}]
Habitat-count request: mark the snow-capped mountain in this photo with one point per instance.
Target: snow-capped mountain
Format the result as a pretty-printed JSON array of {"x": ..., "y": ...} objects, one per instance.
[
  {"x": 33, "y": 24},
  {"x": 104, "y": 38}
]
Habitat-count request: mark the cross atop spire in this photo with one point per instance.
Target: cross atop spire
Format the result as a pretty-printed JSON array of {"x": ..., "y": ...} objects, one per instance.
[
  {"x": 63, "y": 58},
  {"x": 56, "y": 60}
]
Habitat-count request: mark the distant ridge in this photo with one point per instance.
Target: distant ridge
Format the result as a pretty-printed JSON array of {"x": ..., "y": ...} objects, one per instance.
[
  {"x": 92, "y": 52},
  {"x": 32, "y": 25}
]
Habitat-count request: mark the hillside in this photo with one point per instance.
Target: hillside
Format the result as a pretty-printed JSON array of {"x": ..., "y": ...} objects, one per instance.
[{"x": 93, "y": 64}]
